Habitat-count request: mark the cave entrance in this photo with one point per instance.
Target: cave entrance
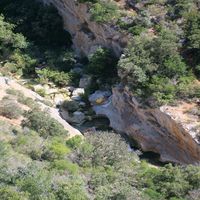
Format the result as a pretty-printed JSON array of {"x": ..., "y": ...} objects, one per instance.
[
  {"x": 98, "y": 122},
  {"x": 152, "y": 158}
]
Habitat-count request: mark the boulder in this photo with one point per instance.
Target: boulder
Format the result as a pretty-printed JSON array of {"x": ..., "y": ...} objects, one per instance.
[
  {"x": 85, "y": 81},
  {"x": 38, "y": 87},
  {"x": 78, "y": 117},
  {"x": 82, "y": 104},
  {"x": 76, "y": 94},
  {"x": 65, "y": 115},
  {"x": 70, "y": 106},
  {"x": 58, "y": 99},
  {"x": 99, "y": 97}
]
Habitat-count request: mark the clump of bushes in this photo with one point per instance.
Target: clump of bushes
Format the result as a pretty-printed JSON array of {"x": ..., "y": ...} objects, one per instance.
[
  {"x": 42, "y": 123},
  {"x": 55, "y": 76},
  {"x": 21, "y": 98},
  {"x": 104, "y": 11},
  {"x": 10, "y": 109}
]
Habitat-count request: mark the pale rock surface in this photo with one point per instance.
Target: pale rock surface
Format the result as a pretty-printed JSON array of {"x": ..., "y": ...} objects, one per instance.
[
  {"x": 99, "y": 97},
  {"x": 76, "y": 94}
]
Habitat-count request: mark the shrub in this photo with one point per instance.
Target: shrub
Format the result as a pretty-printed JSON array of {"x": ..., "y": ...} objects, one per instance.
[
  {"x": 10, "y": 109},
  {"x": 102, "y": 64},
  {"x": 55, "y": 149},
  {"x": 65, "y": 165},
  {"x": 41, "y": 92},
  {"x": 24, "y": 144},
  {"x": 71, "y": 106},
  {"x": 104, "y": 11},
  {"x": 57, "y": 77},
  {"x": 104, "y": 149},
  {"x": 36, "y": 181},
  {"x": 74, "y": 142},
  {"x": 42, "y": 123},
  {"x": 74, "y": 189},
  {"x": 9, "y": 193}
]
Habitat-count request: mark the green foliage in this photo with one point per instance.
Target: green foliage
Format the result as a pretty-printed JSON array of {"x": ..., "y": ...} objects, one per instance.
[
  {"x": 41, "y": 24},
  {"x": 9, "y": 193},
  {"x": 153, "y": 67},
  {"x": 47, "y": 41},
  {"x": 65, "y": 165},
  {"x": 23, "y": 144},
  {"x": 36, "y": 181},
  {"x": 74, "y": 142},
  {"x": 72, "y": 189},
  {"x": 71, "y": 106},
  {"x": 103, "y": 149},
  {"x": 55, "y": 149},
  {"x": 193, "y": 30},
  {"x": 169, "y": 182},
  {"x": 42, "y": 123},
  {"x": 102, "y": 65},
  {"x": 60, "y": 78},
  {"x": 104, "y": 11}
]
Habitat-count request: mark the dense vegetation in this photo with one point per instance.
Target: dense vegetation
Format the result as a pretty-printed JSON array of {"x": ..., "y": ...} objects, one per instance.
[
  {"x": 161, "y": 61},
  {"x": 34, "y": 38},
  {"x": 37, "y": 160}
]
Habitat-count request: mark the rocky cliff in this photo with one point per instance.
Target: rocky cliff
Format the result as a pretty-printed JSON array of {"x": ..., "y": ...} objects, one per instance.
[
  {"x": 86, "y": 34},
  {"x": 153, "y": 130}
]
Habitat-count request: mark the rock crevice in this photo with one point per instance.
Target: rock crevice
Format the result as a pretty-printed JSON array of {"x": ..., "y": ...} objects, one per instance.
[{"x": 87, "y": 35}]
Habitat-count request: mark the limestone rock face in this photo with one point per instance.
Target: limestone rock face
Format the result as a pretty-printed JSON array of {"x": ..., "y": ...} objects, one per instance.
[
  {"x": 87, "y": 35},
  {"x": 153, "y": 129}
]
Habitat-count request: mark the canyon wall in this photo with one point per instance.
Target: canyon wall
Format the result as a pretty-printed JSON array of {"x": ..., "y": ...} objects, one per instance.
[
  {"x": 152, "y": 129},
  {"x": 86, "y": 34}
]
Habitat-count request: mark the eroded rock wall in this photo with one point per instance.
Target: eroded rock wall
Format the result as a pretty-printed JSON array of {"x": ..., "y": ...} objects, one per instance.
[
  {"x": 86, "y": 34},
  {"x": 153, "y": 130}
]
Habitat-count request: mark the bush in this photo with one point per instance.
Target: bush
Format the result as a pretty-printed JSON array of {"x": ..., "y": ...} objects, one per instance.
[
  {"x": 104, "y": 149},
  {"x": 71, "y": 106},
  {"x": 169, "y": 182},
  {"x": 153, "y": 68},
  {"x": 55, "y": 76},
  {"x": 102, "y": 65},
  {"x": 74, "y": 142},
  {"x": 104, "y": 11},
  {"x": 24, "y": 144},
  {"x": 55, "y": 149},
  {"x": 74, "y": 189},
  {"x": 65, "y": 165},
  {"x": 9, "y": 193},
  {"x": 10, "y": 109},
  {"x": 42, "y": 123},
  {"x": 36, "y": 181}
]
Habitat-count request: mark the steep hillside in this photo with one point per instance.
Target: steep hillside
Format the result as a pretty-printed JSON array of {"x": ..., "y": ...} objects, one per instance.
[{"x": 125, "y": 73}]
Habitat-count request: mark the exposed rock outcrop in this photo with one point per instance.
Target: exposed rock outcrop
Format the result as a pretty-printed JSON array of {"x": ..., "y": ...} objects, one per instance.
[
  {"x": 86, "y": 34},
  {"x": 153, "y": 129}
]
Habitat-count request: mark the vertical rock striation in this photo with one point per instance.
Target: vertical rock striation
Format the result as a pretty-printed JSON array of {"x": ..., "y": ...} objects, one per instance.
[
  {"x": 86, "y": 34},
  {"x": 153, "y": 130}
]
